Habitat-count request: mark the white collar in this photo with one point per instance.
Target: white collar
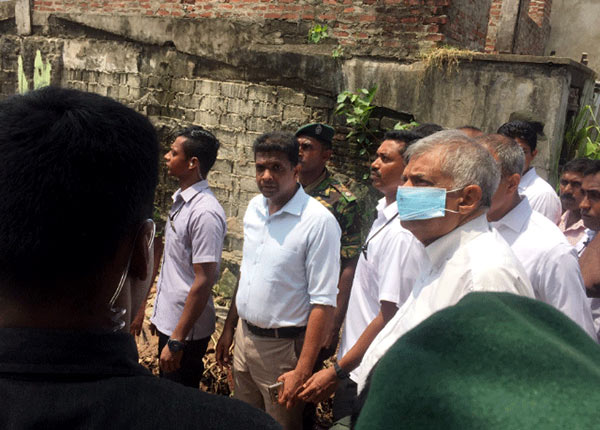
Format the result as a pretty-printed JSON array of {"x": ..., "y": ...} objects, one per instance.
[
  {"x": 528, "y": 178},
  {"x": 294, "y": 206},
  {"x": 388, "y": 211},
  {"x": 443, "y": 248},
  {"x": 517, "y": 217}
]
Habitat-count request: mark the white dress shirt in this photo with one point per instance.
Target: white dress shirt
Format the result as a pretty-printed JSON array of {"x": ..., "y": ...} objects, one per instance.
[
  {"x": 194, "y": 234},
  {"x": 473, "y": 257},
  {"x": 291, "y": 260},
  {"x": 594, "y": 302},
  {"x": 393, "y": 261},
  {"x": 550, "y": 261},
  {"x": 542, "y": 197}
]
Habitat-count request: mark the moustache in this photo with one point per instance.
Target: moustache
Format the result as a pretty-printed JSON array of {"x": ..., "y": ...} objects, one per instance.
[
  {"x": 567, "y": 197},
  {"x": 375, "y": 173}
]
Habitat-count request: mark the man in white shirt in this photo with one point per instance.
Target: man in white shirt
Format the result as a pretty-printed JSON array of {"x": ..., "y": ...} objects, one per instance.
[
  {"x": 571, "y": 223},
  {"x": 287, "y": 291},
  {"x": 184, "y": 314},
  {"x": 448, "y": 186},
  {"x": 542, "y": 197},
  {"x": 550, "y": 261},
  {"x": 588, "y": 247},
  {"x": 388, "y": 266}
]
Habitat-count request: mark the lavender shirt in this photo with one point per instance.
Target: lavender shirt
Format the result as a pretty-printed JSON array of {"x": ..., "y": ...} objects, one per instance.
[{"x": 196, "y": 236}]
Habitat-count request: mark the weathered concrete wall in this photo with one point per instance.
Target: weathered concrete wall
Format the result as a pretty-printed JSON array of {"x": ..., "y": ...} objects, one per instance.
[
  {"x": 485, "y": 91},
  {"x": 575, "y": 30}
]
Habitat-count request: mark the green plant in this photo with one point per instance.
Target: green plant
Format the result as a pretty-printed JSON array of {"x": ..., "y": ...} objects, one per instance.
[
  {"x": 356, "y": 107},
  {"x": 582, "y": 137},
  {"x": 317, "y": 33},
  {"x": 338, "y": 51},
  {"x": 406, "y": 126}
]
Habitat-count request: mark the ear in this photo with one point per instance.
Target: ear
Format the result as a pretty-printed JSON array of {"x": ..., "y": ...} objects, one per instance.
[
  {"x": 326, "y": 154},
  {"x": 534, "y": 153},
  {"x": 513, "y": 182},
  {"x": 193, "y": 163},
  {"x": 296, "y": 170},
  {"x": 142, "y": 258},
  {"x": 470, "y": 199}
]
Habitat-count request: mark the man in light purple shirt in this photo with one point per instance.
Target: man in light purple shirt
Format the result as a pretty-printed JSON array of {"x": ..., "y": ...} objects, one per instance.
[{"x": 184, "y": 315}]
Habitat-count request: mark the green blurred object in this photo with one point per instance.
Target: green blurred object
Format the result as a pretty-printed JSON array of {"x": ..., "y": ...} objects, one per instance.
[{"x": 493, "y": 361}]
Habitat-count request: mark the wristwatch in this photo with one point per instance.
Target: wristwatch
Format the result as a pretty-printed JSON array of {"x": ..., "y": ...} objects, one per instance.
[
  {"x": 341, "y": 373},
  {"x": 175, "y": 345}
]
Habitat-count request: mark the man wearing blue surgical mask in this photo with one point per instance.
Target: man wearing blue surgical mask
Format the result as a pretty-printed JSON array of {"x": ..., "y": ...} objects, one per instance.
[
  {"x": 389, "y": 263},
  {"x": 465, "y": 254}
]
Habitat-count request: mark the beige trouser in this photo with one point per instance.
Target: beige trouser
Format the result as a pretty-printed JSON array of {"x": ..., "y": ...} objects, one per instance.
[{"x": 257, "y": 363}]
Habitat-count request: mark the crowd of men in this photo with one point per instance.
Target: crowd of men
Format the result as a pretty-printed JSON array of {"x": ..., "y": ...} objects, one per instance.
[{"x": 465, "y": 231}]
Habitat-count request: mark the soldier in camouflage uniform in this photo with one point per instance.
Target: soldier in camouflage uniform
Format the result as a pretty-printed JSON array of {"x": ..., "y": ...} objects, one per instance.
[
  {"x": 315, "y": 142},
  {"x": 315, "y": 150}
]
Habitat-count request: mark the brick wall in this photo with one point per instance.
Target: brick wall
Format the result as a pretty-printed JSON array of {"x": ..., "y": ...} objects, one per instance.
[
  {"x": 396, "y": 28},
  {"x": 467, "y": 23}
]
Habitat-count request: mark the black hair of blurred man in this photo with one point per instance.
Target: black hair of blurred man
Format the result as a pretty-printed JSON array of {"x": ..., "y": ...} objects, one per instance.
[{"x": 78, "y": 173}]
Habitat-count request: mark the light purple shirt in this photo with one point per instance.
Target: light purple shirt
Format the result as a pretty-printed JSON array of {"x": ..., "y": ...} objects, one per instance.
[{"x": 195, "y": 236}]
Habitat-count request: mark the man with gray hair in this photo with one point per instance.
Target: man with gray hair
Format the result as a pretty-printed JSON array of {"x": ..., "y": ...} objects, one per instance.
[
  {"x": 448, "y": 186},
  {"x": 549, "y": 260}
]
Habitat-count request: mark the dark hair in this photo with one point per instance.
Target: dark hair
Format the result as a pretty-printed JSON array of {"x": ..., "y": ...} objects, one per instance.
[
  {"x": 278, "y": 141},
  {"x": 202, "y": 144},
  {"x": 593, "y": 168},
  {"x": 406, "y": 136},
  {"x": 77, "y": 175},
  {"x": 525, "y": 130},
  {"x": 427, "y": 129},
  {"x": 578, "y": 165}
]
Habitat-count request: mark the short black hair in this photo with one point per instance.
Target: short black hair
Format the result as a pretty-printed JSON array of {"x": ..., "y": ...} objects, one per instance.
[
  {"x": 578, "y": 165},
  {"x": 78, "y": 173},
  {"x": 278, "y": 141},
  {"x": 593, "y": 169},
  {"x": 407, "y": 136},
  {"x": 427, "y": 129},
  {"x": 202, "y": 144},
  {"x": 526, "y": 130}
]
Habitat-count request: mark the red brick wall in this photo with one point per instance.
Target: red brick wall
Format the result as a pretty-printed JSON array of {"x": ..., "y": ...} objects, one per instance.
[{"x": 376, "y": 27}]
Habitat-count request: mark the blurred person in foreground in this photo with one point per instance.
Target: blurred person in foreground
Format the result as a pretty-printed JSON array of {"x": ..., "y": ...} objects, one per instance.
[
  {"x": 448, "y": 186},
  {"x": 77, "y": 176},
  {"x": 493, "y": 361}
]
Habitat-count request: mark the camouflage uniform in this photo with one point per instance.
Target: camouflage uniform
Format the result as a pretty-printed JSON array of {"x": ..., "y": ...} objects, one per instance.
[{"x": 344, "y": 206}]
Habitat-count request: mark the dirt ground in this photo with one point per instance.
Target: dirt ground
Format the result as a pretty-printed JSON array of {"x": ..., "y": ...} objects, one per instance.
[{"x": 214, "y": 380}]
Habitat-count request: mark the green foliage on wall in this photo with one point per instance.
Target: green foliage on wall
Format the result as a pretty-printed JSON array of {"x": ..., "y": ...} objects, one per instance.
[{"x": 41, "y": 73}]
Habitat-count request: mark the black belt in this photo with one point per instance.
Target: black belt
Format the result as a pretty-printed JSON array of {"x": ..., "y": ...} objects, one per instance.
[{"x": 279, "y": 333}]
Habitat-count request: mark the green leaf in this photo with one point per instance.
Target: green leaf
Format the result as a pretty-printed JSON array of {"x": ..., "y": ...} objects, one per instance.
[
  {"x": 365, "y": 176},
  {"x": 362, "y": 151}
]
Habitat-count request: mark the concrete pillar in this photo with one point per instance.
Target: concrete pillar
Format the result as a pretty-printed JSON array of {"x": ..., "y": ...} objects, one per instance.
[
  {"x": 23, "y": 16},
  {"x": 507, "y": 27}
]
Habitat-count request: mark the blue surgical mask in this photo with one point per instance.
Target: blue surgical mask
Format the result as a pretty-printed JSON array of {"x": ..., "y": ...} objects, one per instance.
[{"x": 416, "y": 203}]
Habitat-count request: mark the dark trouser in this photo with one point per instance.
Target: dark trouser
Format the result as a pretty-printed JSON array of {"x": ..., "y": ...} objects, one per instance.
[
  {"x": 344, "y": 402},
  {"x": 192, "y": 367}
]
